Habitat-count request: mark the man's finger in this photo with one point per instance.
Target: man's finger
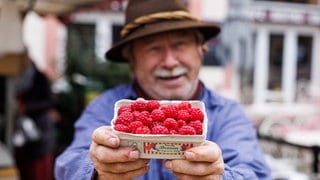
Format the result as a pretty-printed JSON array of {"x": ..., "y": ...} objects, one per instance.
[
  {"x": 207, "y": 152},
  {"x": 104, "y": 136},
  {"x": 123, "y": 167},
  {"x": 110, "y": 155}
]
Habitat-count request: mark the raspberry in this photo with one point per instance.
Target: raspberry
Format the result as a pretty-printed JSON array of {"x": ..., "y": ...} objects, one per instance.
[
  {"x": 125, "y": 118},
  {"x": 196, "y": 114},
  {"x": 158, "y": 115},
  {"x": 152, "y": 105},
  {"x": 184, "y": 105},
  {"x": 170, "y": 110},
  {"x": 197, "y": 125},
  {"x": 136, "y": 114},
  {"x": 181, "y": 123},
  {"x": 134, "y": 125},
  {"x": 124, "y": 108},
  {"x": 148, "y": 122},
  {"x": 143, "y": 130},
  {"x": 170, "y": 123},
  {"x": 139, "y": 105},
  {"x": 122, "y": 128},
  {"x": 173, "y": 131},
  {"x": 156, "y": 123},
  {"x": 159, "y": 130},
  {"x": 183, "y": 115},
  {"x": 187, "y": 130},
  {"x": 141, "y": 116}
]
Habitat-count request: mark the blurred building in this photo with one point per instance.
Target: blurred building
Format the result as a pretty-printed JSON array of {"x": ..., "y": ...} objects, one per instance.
[{"x": 274, "y": 46}]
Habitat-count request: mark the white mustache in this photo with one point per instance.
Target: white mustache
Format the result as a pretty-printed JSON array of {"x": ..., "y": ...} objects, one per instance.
[{"x": 165, "y": 73}]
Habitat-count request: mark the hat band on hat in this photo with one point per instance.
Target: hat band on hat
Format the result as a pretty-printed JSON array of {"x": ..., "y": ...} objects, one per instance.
[{"x": 175, "y": 15}]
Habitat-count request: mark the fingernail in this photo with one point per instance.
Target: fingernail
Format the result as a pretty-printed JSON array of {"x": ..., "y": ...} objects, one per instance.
[
  {"x": 189, "y": 155},
  {"x": 168, "y": 164},
  {"x": 113, "y": 141},
  {"x": 134, "y": 154}
]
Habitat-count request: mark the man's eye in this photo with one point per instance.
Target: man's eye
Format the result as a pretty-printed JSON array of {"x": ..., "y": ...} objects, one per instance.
[
  {"x": 179, "y": 44},
  {"x": 155, "y": 48}
]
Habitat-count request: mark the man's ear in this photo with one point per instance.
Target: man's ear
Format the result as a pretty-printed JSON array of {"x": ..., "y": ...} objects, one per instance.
[
  {"x": 205, "y": 48},
  {"x": 202, "y": 49}
]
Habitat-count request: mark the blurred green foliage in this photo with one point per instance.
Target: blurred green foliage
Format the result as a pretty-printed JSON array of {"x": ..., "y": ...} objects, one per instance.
[
  {"x": 81, "y": 58},
  {"x": 87, "y": 77}
]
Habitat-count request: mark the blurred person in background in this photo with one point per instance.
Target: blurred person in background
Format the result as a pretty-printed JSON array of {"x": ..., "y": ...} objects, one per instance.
[
  {"x": 164, "y": 46},
  {"x": 35, "y": 106}
]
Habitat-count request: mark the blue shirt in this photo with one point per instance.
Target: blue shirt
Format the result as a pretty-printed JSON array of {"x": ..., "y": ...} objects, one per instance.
[{"x": 228, "y": 126}]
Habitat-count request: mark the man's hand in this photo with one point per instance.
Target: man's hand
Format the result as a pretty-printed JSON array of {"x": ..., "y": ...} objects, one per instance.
[
  {"x": 202, "y": 162},
  {"x": 112, "y": 161}
]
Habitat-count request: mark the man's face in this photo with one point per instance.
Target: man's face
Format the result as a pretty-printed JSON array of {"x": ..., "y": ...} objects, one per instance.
[{"x": 167, "y": 65}]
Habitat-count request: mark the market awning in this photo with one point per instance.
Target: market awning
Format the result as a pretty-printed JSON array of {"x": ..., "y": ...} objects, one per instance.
[{"x": 52, "y": 6}]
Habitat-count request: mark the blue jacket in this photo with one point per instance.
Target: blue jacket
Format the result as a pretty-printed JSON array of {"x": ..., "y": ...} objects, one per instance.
[{"x": 228, "y": 126}]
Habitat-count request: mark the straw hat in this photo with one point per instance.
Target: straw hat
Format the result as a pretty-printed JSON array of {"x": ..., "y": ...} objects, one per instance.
[{"x": 148, "y": 17}]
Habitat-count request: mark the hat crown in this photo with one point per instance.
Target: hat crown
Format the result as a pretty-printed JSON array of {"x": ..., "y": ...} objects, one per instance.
[{"x": 140, "y": 8}]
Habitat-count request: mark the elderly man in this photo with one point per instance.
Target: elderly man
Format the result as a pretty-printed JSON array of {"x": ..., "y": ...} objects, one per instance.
[{"x": 164, "y": 46}]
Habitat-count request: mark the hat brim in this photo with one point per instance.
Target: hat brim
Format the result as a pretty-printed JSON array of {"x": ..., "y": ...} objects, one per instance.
[{"x": 208, "y": 30}]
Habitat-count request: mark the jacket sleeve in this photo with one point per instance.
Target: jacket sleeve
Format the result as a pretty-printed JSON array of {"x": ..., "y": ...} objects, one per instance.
[
  {"x": 236, "y": 135},
  {"x": 74, "y": 162}
]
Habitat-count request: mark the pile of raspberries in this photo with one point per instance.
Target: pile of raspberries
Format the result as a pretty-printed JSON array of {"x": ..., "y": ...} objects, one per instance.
[{"x": 150, "y": 117}]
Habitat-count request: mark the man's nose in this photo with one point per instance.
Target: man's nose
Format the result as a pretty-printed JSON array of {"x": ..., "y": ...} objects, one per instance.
[{"x": 170, "y": 59}]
